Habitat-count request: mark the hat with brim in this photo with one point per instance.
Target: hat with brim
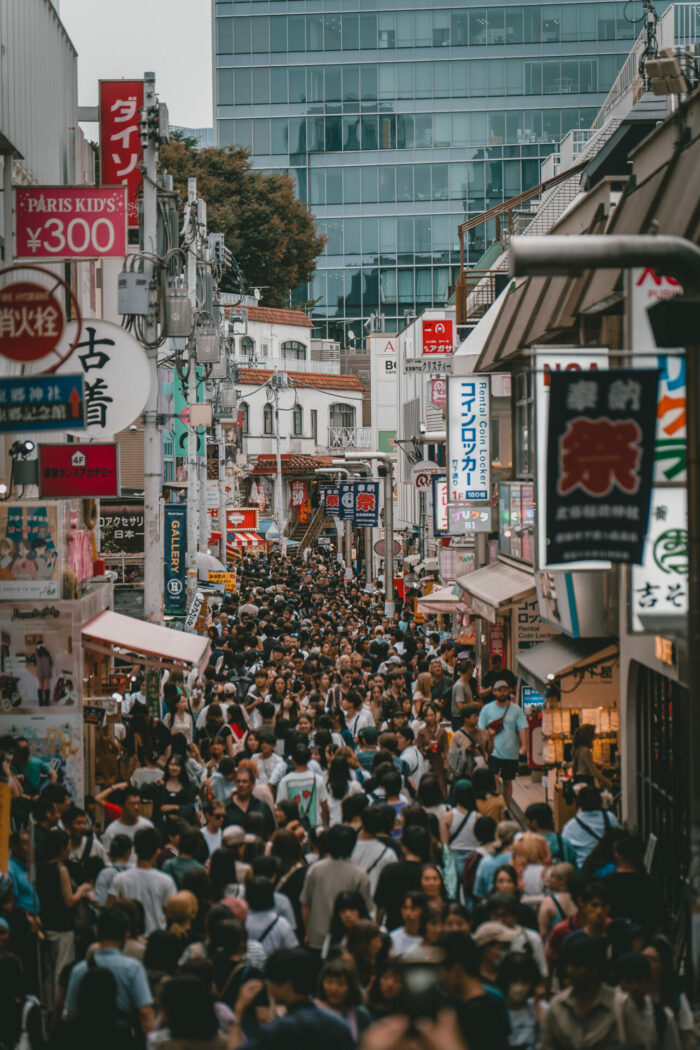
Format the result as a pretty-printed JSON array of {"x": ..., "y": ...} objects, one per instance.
[
  {"x": 489, "y": 932},
  {"x": 501, "y": 685}
]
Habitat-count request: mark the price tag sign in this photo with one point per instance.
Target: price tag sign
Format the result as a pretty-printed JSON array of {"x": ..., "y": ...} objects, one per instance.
[{"x": 70, "y": 222}]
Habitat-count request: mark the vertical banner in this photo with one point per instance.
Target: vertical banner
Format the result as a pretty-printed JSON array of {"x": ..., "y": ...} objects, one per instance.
[
  {"x": 346, "y": 501},
  {"x": 659, "y": 586},
  {"x": 330, "y": 497},
  {"x": 297, "y": 493},
  {"x": 440, "y": 521},
  {"x": 367, "y": 504},
  {"x": 468, "y": 438},
  {"x": 600, "y": 458},
  {"x": 175, "y": 543},
  {"x": 120, "y": 143}
]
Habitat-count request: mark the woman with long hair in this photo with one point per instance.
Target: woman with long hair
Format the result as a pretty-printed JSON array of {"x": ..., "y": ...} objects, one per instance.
[
  {"x": 348, "y": 909},
  {"x": 287, "y": 848},
  {"x": 488, "y": 800},
  {"x": 387, "y": 995},
  {"x": 584, "y": 768},
  {"x": 215, "y": 728},
  {"x": 175, "y": 794},
  {"x": 178, "y": 718},
  {"x": 531, "y": 858},
  {"x": 423, "y": 692},
  {"x": 432, "y": 743},
  {"x": 340, "y": 784},
  {"x": 368, "y": 948},
  {"x": 457, "y": 825},
  {"x": 432, "y": 883},
  {"x": 339, "y": 993}
]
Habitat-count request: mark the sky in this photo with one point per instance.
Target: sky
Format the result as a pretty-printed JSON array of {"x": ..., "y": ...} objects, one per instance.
[{"x": 125, "y": 38}]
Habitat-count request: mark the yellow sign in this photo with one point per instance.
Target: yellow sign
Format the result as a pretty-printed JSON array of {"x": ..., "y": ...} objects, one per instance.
[
  {"x": 228, "y": 578},
  {"x": 5, "y": 803}
]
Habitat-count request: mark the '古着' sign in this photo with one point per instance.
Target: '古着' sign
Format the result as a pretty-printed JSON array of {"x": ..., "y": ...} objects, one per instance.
[{"x": 600, "y": 456}]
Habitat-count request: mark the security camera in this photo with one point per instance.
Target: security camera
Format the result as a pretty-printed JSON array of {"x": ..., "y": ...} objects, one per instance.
[
  {"x": 421, "y": 428},
  {"x": 133, "y": 428}
]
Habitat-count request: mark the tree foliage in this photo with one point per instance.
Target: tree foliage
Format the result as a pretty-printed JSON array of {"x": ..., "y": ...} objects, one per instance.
[{"x": 269, "y": 231}]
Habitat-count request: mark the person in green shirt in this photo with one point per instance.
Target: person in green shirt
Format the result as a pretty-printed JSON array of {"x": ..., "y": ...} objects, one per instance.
[
  {"x": 191, "y": 845},
  {"x": 30, "y": 768}
]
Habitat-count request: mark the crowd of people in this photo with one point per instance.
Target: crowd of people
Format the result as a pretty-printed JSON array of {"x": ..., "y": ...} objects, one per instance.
[{"x": 316, "y": 842}]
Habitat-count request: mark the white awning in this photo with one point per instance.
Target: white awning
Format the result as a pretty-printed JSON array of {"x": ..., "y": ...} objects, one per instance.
[
  {"x": 496, "y": 587},
  {"x": 440, "y": 600},
  {"x": 126, "y": 637}
]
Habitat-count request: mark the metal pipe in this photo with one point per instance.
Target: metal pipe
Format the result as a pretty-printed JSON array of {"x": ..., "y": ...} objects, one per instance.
[
  {"x": 559, "y": 255},
  {"x": 431, "y": 437}
]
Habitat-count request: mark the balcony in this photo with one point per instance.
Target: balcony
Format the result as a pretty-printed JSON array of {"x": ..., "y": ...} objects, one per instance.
[
  {"x": 326, "y": 368},
  {"x": 349, "y": 437}
]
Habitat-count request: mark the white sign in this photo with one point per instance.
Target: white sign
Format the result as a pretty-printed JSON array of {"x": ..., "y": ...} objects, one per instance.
[
  {"x": 659, "y": 586},
  {"x": 461, "y": 521},
  {"x": 116, "y": 371},
  {"x": 191, "y": 621},
  {"x": 529, "y": 629},
  {"x": 468, "y": 439},
  {"x": 548, "y": 361},
  {"x": 646, "y": 288},
  {"x": 433, "y": 366},
  {"x": 440, "y": 508},
  {"x": 422, "y": 473}
]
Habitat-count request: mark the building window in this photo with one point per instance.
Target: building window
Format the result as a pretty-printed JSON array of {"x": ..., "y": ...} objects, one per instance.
[
  {"x": 298, "y": 420},
  {"x": 314, "y": 425},
  {"x": 268, "y": 420},
  {"x": 247, "y": 347},
  {"x": 243, "y": 417},
  {"x": 342, "y": 415},
  {"x": 293, "y": 351},
  {"x": 524, "y": 421}
]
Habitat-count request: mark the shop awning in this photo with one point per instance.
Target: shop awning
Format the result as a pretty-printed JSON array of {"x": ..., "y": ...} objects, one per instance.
[
  {"x": 561, "y": 656},
  {"x": 244, "y": 539},
  {"x": 441, "y": 600},
  {"x": 126, "y": 637},
  {"x": 496, "y": 587}
]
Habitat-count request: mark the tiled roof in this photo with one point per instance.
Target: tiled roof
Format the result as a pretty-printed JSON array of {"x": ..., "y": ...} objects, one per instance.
[
  {"x": 274, "y": 315},
  {"x": 291, "y": 464},
  {"x": 317, "y": 380}
]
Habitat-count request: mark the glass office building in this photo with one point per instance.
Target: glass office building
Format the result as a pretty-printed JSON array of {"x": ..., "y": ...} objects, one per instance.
[{"x": 397, "y": 121}]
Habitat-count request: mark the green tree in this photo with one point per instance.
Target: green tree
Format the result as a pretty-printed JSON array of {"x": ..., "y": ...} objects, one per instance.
[{"x": 271, "y": 234}]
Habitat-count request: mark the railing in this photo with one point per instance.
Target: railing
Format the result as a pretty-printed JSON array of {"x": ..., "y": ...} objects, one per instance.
[
  {"x": 314, "y": 529},
  {"x": 683, "y": 20},
  {"x": 627, "y": 79},
  {"x": 349, "y": 437},
  {"x": 326, "y": 368}
]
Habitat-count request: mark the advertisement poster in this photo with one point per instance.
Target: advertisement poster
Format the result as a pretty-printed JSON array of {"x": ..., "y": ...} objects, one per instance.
[
  {"x": 29, "y": 561},
  {"x": 121, "y": 528},
  {"x": 54, "y": 738},
  {"x": 600, "y": 460},
  {"x": 38, "y": 665}
]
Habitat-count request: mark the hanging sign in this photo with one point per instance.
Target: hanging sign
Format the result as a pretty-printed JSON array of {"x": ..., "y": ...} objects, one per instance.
[
  {"x": 659, "y": 586},
  {"x": 438, "y": 337},
  {"x": 468, "y": 438},
  {"x": 440, "y": 522},
  {"x": 346, "y": 501},
  {"x": 600, "y": 455},
  {"x": 121, "y": 528},
  {"x": 367, "y": 504},
  {"x": 331, "y": 500},
  {"x": 117, "y": 375},
  {"x": 79, "y": 471},
  {"x": 174, "y": 547},
  {"x": 193, "y": 614},
  {"x": 422, "y": 473},
  {"x": 121, "y": 102},
  {"x": 297, "y": 493},
  {"x": 438, "y": 392},
  {"x": 41, "y": 403},
  {"x": 70, "y": 222}
]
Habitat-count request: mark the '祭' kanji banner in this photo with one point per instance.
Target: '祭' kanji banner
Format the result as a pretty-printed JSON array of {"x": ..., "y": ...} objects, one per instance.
[
  {"x": 367, "y": 504},
  {"x": 600, "y": 457},
  {"x": 330, "y": 497}
]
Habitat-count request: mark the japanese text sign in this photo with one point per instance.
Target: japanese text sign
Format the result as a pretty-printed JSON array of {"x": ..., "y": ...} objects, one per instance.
[
  {"x": 175, "y": 543},
  {"x": 297, "y": 493},
  {"x": 70, "y": 222},
  {"x": 659, "y": 586},
  {"x": 330, "y": 497},
  {"x": 346, "y": 501},
  {"x": 79, "y": 470},
  {"x": 31, "y": 321},
  {"x": 600, "y": 454},
  {"x": 438, "y": 392},
  {"x": 367, "y": 504},
  {"x": 468, "y": 438},
  {"x": 117, "y": 376},
  {"x": 647, "y": 288},
  {"x": 41, "y": 403},
  {"x": 120, "y": 144},
  {"x": 440, "y": 505},
  {"x": 121, "y": 528},
  {"x": 438, "y": 337}
]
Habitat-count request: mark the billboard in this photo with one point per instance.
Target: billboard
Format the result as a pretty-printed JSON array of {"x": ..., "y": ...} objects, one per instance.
[
  {"x": 70, "y": 222},
  {"x": 121, "y": 102},
  {"x": 468, "y": 438}
]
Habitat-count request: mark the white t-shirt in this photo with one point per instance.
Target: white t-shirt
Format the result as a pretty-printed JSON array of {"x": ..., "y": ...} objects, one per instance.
[
  {"x": 117, "y": 828},
  {"x": 402, "y": 942},
  {"x": 362, "y": 720},
  {"x": 270, "y": 770},
  {"x": 335, "y": 805},
  {"x": 212, "y": 839},
  {"x": 307, "y": 789},
  {"x": 148, "y": 886}
]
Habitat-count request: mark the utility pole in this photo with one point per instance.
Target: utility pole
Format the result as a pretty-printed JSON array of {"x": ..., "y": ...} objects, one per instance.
[
  {"x": 387, "y": 464},
  {"x": 152, "y": 570},
  {"x": 191, "y": 233},
  {"x": 279, "y": 510},
  {"x": 222, "y": 492}
]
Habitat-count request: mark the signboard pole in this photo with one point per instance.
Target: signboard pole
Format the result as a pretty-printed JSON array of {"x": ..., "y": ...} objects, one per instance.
[{"x": 223, "y": 523}]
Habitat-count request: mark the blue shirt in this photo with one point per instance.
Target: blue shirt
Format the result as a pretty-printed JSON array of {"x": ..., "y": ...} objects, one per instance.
[
  {"x": 25, "y": 894},
  {"x": 133, "y": 990},
  {"x": 580, "y": 838},
  {"x": 486, "y": 873},
  {"x": 506, "y": 744}
]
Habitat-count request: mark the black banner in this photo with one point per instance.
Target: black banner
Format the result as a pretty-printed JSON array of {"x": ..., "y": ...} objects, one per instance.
[
  {"x": 600, "y": 457},
  {"x": 175, "y": 545}
]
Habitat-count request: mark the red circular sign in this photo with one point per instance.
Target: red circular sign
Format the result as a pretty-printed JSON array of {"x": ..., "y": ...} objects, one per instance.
[{"x": 31, "y": 321}]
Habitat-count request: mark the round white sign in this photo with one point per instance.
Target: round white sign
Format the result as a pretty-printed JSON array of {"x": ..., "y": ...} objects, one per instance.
[
  {"x": 422, "y": 473},
  {"x": 116, "y": 375}
]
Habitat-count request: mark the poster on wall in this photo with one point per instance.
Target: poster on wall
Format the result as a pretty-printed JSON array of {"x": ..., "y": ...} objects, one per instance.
[
  {"x": 55, "y": 739},
  {"x": 39, "y": 667},
  {"x": 29, "y": 551}
]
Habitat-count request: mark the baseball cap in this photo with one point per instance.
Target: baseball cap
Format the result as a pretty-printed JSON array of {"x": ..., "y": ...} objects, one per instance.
[
  {"x": 501, "y": 684},
  {"x": 233, "y": 835},
  {"x": 494, "y": 931}
]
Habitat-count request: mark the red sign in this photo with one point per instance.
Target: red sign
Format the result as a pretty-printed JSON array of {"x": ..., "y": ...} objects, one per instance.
[
  {"x": 238, "y": 519},
  {"x": 437, "y": 337},
  {"x": 79, "y": 470},
  {"x": 438, "y": 393},
  {"x": 31, "y": 321},
  {"x": 121, "y": 102},
  {"x": 70, "y": 222}
]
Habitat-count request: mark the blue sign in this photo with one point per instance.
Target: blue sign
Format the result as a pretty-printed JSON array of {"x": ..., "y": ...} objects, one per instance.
[
  {"x": 367, "y": 504},
  {"x": 346, "y": 501},
  {"x": 175, "y": 545},
  {"x": 41, "y": 403},
  {"x": 529, "y": 697},
  {"x": 330, "y": 498}
]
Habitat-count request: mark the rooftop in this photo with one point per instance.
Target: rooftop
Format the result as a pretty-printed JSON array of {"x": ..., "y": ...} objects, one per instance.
[
  {"x": 273, "y": 315},
  {"x": 318, "y": 381}
]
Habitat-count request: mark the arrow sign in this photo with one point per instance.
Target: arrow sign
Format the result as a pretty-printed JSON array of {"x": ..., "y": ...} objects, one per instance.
[{"x": 41, "y": 403}]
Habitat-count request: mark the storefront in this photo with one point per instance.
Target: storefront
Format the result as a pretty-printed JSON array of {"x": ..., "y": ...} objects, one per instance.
[{"x": 492, "y": 594}]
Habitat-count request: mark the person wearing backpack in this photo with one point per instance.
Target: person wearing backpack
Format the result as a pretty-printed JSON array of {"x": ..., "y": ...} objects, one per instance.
[
  {"x": 83, "y": 842},
  {"x": 584, "y": 831},
  {"x": 464, "y": 692},
  {"x": 469, "y": 746}
]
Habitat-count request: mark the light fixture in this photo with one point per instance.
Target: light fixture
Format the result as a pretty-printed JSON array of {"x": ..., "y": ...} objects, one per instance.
[{"x": 20, "y": 449}]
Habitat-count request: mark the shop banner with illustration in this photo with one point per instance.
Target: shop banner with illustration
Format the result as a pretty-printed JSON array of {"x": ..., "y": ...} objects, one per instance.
[
  {"x": 29, "y": 551},
  {"x": 56, "y": 740},
  {"x": 600, "y": 460}
]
